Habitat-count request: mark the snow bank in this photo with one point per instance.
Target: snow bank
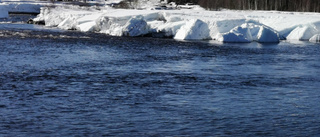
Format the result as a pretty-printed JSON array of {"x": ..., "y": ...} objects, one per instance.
[
  {"x": 224, "y": 26},
  {"x": 315, "y": 38},
  {"x": 64, "y": 16}
]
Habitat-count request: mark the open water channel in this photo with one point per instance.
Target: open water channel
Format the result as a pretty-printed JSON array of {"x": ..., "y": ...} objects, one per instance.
[{"x": 66, "y": 83}]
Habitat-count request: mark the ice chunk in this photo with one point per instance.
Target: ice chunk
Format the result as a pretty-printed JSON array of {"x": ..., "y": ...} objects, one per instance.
[
  {"x": 315, "y": 38},
  {"x": 248, "y": 32},
  {"x": 89, "y": 18},
  {"x": 302, "y": 32},
  {"x": 170, "y": 29},
  {"x": 223, "y": 26},
  {"x": 238, "y": 34},
  {"x": 267, "y": 35},
  {"x": 155, "y": 24},
  {"x": 88, "y": 22},
  {"x": 233, "y": 37},
  {"x": 87, "y": 27},
  {"x": 67, "y": 24},
  {"x": 54, "y": 16},
  {"x": 136, "y": 26},
  {"x": 193, "y": 30},
  {"x": 226, "y": 25},
  {"x": 111, "y": 25},
  {"x": 262, "y": 33}
]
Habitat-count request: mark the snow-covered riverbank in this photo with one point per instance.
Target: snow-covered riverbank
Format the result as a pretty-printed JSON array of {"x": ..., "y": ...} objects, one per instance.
[{"x": 223, "y": 26}]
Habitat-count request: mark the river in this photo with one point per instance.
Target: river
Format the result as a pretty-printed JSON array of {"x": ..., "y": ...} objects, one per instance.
[{"x": 67, "y": 83}]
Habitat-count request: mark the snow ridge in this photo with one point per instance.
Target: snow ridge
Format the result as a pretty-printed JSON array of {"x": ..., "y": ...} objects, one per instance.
[{"x": 224, "y": 26}]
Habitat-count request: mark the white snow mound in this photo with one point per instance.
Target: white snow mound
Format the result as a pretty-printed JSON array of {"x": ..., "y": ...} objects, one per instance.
[
  {"x": 267, "y": 35},
  {"x": 302, "y": 32},
  {"x": 193, "y": 30},
  {"x": 315, "y": 38},
  {"x": 238, "y": 34},
  {"x": 170, "y": 29},
  {"x": 111, "y": 25},
  {"x": 136, "y": 26},
  {"x": 87, "y": 26},
  {"x": 249, "y": 32},
  {"x": 67, "y": 24}
]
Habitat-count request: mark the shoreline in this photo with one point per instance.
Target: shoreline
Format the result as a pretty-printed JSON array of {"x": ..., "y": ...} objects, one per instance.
[{"x": 223, "y": 26}]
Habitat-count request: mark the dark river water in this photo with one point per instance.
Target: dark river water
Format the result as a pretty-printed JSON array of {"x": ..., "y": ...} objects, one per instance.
[{"x": 55, "y": 83}]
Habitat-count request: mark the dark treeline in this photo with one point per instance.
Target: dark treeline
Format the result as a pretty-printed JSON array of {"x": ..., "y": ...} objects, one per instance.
[{"x": 281, "y": 5}]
